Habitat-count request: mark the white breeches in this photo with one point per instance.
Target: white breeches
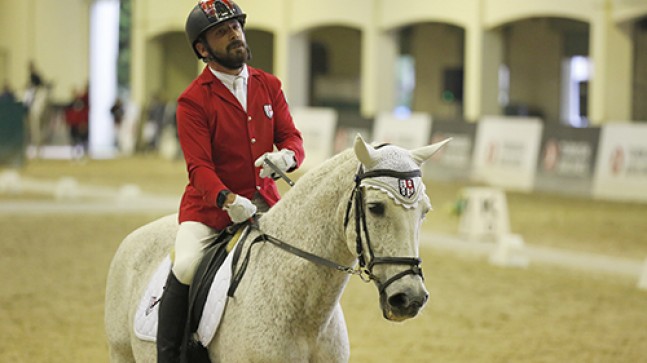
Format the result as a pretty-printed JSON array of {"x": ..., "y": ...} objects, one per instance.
[{"x": 190, "y": 241}]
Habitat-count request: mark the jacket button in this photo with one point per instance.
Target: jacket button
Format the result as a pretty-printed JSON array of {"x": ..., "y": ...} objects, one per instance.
[
  {"x": 249, "y": 118},
  {"x": 258, "y": 187},
  {"x": 253, "y": 140}
]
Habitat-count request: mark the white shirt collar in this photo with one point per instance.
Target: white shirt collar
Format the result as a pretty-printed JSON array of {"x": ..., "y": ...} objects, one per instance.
[{"x": 228, "y": 79}]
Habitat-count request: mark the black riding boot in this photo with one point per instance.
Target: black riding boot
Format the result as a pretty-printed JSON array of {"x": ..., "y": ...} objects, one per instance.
[{"x": 172, "y": 320}]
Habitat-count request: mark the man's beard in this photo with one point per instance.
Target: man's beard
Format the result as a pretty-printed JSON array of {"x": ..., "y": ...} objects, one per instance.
[{"x": 235, "y": 56}]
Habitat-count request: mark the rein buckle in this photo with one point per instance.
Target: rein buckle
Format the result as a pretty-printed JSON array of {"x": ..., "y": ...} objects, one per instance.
[{"x": 364, "y": 274}]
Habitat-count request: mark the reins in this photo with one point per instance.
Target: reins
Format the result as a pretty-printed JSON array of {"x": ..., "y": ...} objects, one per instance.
[{"x": 263, "y": 237}]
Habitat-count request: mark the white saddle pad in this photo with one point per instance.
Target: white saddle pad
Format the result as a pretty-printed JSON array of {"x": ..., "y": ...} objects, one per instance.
[{"x": 145, "y": 324}]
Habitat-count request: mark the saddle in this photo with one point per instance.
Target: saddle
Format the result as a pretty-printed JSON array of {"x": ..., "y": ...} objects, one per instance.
[{"x": 215, "y": 254}]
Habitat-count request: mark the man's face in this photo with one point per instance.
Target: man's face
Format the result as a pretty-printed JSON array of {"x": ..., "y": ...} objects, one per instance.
[{"x": 228, "y": 44}]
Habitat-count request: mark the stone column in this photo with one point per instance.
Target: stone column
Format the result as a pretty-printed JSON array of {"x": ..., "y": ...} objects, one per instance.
[
  {"x": 104, "y": 49},
  {"x": 611, "y": 56}
]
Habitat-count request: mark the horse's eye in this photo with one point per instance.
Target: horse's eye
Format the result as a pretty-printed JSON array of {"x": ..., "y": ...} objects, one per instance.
[{"x": 376, "y": 208}]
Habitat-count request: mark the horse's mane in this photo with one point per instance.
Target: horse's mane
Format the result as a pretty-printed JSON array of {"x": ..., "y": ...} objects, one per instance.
[
  {"x": 334, "y": 165},
  {"x": 336, "y": 171},
  {"x": 319, "y": 187}
]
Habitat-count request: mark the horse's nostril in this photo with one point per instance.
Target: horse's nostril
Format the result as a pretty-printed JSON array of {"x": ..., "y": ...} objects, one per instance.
[{"x": 399, "y": 300}]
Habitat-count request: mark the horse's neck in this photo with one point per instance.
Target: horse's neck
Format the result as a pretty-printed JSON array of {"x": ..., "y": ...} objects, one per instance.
[
  {"x": 313, "y": 210},
  {"x": 310, "y": 216}
]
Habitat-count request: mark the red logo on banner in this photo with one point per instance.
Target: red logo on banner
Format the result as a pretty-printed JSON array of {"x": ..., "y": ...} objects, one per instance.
[
  {"x": 551, "y": 155},
  {"x": 617, "y": 160},
  {"x": 491, "y": 153}
]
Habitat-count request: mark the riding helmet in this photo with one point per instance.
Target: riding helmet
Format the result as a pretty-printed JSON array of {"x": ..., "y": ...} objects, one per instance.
[{"x": 209, "y": 13}]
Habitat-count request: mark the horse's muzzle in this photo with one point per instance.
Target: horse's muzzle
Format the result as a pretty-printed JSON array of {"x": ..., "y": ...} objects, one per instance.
[{"x": 404, "y": 304}]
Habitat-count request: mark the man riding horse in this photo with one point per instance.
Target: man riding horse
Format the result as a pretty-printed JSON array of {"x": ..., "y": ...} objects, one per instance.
[{"x": 229, "y": 120}]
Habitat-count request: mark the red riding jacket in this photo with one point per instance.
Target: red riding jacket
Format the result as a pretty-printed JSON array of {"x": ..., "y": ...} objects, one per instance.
[{"x": 221, "y": 141}]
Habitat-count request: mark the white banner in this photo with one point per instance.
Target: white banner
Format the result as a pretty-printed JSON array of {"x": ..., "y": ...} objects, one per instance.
[
  {"x": 454, "y": 161},
  {"x": 621, "y": 168},
  {"x": 505, "y": 151},
  {"x": 409, "y": 132},
  {"x": 317, "y": 126}
]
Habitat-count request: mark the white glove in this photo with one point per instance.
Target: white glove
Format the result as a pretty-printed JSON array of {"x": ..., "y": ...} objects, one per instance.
[
  {"x": 283, "y": 159},
  {"x": 240, "y": 210}
]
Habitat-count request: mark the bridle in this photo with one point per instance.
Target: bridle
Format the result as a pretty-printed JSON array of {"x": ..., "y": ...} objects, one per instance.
[
  {"x": 366, "y": 257},
  {"x": 366, "y": 265}
]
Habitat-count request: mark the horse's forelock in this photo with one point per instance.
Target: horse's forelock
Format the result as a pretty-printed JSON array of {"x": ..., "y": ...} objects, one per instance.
[{"x": 394, "y": 158}]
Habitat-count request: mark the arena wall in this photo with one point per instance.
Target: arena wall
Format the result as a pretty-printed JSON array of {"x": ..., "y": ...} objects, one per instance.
[{"x": 513, "y": 153}]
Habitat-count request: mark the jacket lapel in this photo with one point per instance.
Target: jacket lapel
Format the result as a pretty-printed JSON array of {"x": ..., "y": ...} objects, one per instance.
[{"x": 218, "y": 88}]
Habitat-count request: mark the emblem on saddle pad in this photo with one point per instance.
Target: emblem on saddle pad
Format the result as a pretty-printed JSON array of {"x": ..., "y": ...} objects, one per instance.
[
  {"x": 154, "y": 300},
  {"x": 407, "y": 187}
]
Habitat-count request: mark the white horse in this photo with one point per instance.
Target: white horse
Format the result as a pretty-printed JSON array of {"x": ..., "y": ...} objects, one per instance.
[{"x": 287, "y": 307}]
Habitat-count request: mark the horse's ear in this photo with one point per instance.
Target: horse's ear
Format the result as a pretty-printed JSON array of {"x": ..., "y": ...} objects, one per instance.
[
  {"x": 365, "y": 153},
  {"x": 423, "y": 154}
]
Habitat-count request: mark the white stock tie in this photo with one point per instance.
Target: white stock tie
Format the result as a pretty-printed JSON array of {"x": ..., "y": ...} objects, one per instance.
[{"x": 240, "y": 92}]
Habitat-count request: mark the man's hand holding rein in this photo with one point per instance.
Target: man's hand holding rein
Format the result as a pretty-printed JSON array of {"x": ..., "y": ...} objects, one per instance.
[
  {"x": 238, "y": 207},
  {"x": 283, "y": 159}
]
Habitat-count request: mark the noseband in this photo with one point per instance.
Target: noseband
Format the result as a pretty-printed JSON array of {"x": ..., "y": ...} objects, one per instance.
[{"x": 367, "y": 259}]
